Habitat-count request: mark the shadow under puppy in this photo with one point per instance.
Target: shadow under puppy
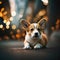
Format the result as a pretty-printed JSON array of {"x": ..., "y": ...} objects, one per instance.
[{"x": 35, "y": 37}]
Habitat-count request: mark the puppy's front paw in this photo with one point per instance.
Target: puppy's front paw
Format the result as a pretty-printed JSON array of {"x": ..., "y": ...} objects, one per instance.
[
  {"x": 37, "y": 46},
  {"x": 27, "y": 47}
]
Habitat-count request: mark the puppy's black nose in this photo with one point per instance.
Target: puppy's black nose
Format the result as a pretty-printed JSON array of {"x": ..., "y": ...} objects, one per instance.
[{"x": 36, "y": 34}]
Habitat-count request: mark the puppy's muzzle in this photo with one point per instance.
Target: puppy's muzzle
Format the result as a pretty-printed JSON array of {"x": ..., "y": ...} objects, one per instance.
[{"x": 36, "y": 35}]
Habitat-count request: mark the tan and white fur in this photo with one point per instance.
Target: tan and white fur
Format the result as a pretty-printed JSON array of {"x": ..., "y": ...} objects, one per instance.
[{"x": 35, "y": 36}]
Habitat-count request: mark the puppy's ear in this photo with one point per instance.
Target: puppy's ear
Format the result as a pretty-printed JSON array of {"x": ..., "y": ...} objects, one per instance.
[
  {"x": 42, "y": 23},
  {"x": 25, "y": 23}
]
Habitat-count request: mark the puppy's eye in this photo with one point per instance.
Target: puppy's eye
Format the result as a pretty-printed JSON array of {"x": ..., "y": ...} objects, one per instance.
[
  {"x": 32, "y": 29},
  {"x": 38, "y": 29}
]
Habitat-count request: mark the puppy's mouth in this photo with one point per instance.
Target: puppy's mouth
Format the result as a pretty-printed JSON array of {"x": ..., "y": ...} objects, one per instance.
[{"x": 35, "y": 37}]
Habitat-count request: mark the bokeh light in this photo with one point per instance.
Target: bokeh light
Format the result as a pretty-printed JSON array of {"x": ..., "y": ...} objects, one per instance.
[
  {"x": 11, "y": 32},
  {"x": 5, "y": 13},
  {"x": 1, "y": 26},
  {"x": 0, "y": 2},
  {"x": 18, "y": 30},
  {"x": 13, "y": 13},
  {"x": 13, "y": 27},
  {"x": 7, "y": 27},
  {"x": 13, "y": 36},
  {"x": 6, "y": 37},
  {"x": 52, "y": 28},
  {"x": 2, "y": 9},
  {"x": 20, "y": 16},
  {"x": 45, "y": 2},
  {"x": 1, "y": 14},
  {"x": 8, "y": 23},
  {"x": 11, "y": 18},
  {"x": 5, "y": 21},
  {"x": 18, "y": 36}
]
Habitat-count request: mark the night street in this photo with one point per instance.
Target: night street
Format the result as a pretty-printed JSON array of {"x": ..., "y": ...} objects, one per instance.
[{"x": 13, "y": 50}]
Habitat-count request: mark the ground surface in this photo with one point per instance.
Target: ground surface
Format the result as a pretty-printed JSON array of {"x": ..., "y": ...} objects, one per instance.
[{"x": 12, "y": 50}]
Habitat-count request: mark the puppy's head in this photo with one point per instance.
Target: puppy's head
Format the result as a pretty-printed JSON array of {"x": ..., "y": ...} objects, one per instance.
[{"x": 34, "y": 30}]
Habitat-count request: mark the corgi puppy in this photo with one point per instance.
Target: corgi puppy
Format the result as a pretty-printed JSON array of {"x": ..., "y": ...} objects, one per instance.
[{"x": 35, "y": 36}]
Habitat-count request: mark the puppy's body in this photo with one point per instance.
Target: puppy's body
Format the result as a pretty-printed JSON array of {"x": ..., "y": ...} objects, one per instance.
[{"x": 35, "y": 38}]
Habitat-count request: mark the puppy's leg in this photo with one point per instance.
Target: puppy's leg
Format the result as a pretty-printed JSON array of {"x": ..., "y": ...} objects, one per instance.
[
  {"x": 26, "y": 45},
  {"x": 44, "y": 40},
  {"x": 38, "y": 46}
]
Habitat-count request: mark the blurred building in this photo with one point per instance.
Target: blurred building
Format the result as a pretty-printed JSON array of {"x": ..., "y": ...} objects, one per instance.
[
  {"x": 17, "y": 10},
  {"x": 54, "y": 15}
]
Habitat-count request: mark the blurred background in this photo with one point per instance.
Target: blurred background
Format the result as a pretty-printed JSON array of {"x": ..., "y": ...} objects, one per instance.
[{"x": 12, "y": 11}]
